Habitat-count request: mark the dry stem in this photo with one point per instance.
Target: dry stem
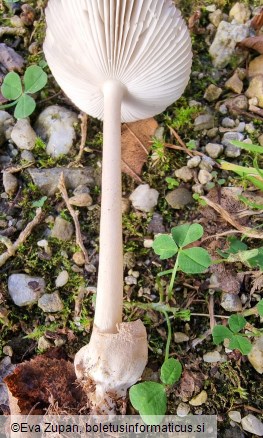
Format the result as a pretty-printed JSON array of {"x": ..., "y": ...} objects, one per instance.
[
  {"x": 74, "y": 215},
  {"x": 249, "y": 232},
  {"x": 12, "y": 247}
]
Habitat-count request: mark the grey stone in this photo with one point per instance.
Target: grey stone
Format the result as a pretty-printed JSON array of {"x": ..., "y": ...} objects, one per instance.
[
  {"x": 230, "y": 136},
  {"x": 10, "y": 183},
  {"x": 207, "y": 164},
  {"x": 212, "y": 357},
  {"x": 223, "y": 109},
  {"x": 205, "y": 121},
  {"x": 50, "y": 303},
  {"x": 130, "y": 280},
  {"x": 231, "y": 302},
  {"x": 184, "y": 173},
  {"x": 255, "y": 356},
  {"x": 55, "y": 125},
  {"x": 232, "y": 151},
  {"x": 227, "y": 122},
  {"x": 198, "y": 188},
  {"x": 179, "y": 198},
  {"x": 183, "y": 409},
  {"x": 25, "y": 290},
  {"x": 144, "y": 198},
  {"x": 194, "y": 162},
  {"x": 224, "y": 44},
  {"x": 241, "y": 127},
  {"x": 23, "y": 135},
  {"x": 6, "y": 125},
  {"x": 212, "y": 133},
  {"x": 28, "y": 156},
  {"x": 47, "y": 179},
  {"x": 214, "y": 150},
  {"x": 252, "y": 424},
  {"x": 212, "y": 93},
  {"x": 235, "y": 416},
  {"x": 204, "y": 176},
  {"x": 62, "y": 230}
]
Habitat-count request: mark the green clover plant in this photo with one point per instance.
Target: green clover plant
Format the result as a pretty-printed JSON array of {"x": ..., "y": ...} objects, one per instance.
[
  {"x": 13, "y": 88},
  {"x": 236, "y": 323},
  {"x": 194, "y": 260},
  {"x": 149, "y": 398}
]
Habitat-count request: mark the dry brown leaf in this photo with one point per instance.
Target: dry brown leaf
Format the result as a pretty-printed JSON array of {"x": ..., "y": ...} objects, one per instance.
[
  {"x": 34, "y": 382},
  {"x": 257, "y": 21},
  {"x": 135, "y": 145},
  {"x": 255, "y": 43}
]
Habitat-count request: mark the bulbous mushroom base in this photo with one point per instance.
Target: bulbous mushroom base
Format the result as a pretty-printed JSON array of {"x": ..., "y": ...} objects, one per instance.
[{"x": 110, "y": 364}]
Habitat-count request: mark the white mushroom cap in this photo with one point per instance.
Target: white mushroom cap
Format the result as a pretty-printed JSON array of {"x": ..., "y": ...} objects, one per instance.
[{"x": 144, "y": 44}]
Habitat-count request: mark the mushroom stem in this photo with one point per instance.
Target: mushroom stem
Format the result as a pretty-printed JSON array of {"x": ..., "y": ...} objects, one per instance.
[{"x": 109, "y": 300}]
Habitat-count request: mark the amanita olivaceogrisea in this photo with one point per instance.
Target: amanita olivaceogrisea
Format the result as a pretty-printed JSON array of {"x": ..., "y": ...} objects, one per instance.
[{"x": 118, "y": 61}]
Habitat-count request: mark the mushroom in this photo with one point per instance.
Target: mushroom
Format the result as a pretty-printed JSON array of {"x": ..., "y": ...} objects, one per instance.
[{"x": 118, "y": 61}]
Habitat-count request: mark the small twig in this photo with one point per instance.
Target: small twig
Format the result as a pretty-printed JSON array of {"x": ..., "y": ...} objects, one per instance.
[
  {"x": 249, "y": 232},
  {"x": 16, "y": 169},
  {"x": 211, "y": 310},
  {"x": 74, "y": 215},
  {"x": 180, "y": 141},
  {"x": 12, "y": 247},
  {"x": 84, "y": 131}
]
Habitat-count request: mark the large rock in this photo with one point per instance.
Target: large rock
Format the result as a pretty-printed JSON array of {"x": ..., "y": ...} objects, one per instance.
[
  {"x": 224, "y": 44},
  {"x": 55, "y": 125},
  {"x": 47, "y": 179},
  {"x": 25, "y": 290}
]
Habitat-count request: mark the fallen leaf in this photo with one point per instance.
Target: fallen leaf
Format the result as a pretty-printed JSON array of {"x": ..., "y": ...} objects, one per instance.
[
  {"x": 255, "y": 43},
  {"x": 194, "y": 21},
  {"x": 135, "y": 146},
  {"x": 190, "y": 384},
  {"x": 257, "y": 21}
]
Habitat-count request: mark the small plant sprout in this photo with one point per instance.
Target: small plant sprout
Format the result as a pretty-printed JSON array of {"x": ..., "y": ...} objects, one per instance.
[
  {"x": 193, "y": 260},
  {"x": 13, "y": 88},
  {"x": 117, "y": 61}
]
